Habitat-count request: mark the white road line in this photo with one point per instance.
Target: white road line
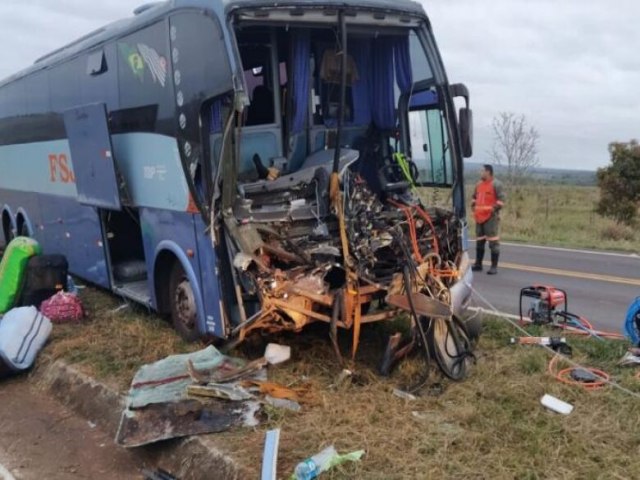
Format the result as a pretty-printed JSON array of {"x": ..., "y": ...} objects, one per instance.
[{"x": 571, "y": 250}]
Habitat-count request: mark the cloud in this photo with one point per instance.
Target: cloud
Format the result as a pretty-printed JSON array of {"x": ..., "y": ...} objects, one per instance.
[{"x": 571, "y": 67}]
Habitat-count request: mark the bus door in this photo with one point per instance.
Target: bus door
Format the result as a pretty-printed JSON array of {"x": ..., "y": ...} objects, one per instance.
[{"x": 98, "y": 185}]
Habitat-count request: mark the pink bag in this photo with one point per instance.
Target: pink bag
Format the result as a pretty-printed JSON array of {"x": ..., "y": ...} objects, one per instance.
[{"x": 63, "y": 307}]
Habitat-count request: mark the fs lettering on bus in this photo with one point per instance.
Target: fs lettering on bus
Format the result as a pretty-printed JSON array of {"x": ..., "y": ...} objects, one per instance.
[{"x": 59, "y": 170}]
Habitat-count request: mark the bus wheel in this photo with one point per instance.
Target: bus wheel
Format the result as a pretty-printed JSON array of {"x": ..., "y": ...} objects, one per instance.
[{"x": 184, "y": 310}]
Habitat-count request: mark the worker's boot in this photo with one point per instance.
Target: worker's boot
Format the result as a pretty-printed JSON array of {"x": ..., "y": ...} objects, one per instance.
[
  {"x": 495, "y": 256},
  {"x": 477, "y": 267}
]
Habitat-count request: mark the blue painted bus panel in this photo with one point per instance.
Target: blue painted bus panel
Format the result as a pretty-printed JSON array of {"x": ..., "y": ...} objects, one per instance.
[
  {"x": 62, "y": 225},
  {"x": 210, "y": 284},
  {"x": 74, "y": 230},
  {"x": 151, "y": 168},
  {"x": 90, "y": 145},
  {"x": 173, "y": 232}
]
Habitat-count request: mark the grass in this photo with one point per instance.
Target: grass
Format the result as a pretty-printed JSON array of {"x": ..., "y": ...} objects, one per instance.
[
  {"x": 489, "y": 426},
  {"x": 560, "y": 215}
]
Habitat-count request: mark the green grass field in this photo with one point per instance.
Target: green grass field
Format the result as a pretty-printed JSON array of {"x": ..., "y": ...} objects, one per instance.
[
  {"x": 561, "y": 215},
  {"x": 490, "y": 426}
]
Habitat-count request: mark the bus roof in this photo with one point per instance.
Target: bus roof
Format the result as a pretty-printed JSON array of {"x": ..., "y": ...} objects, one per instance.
[{"x": 150, "y": 12}]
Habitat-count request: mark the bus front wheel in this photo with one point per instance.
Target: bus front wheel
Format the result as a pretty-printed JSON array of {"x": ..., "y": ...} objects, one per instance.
[{"x": 184, "y": 309}]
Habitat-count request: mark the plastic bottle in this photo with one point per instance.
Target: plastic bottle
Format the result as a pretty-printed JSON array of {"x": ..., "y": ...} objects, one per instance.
[{"x": 312, "y": 467}]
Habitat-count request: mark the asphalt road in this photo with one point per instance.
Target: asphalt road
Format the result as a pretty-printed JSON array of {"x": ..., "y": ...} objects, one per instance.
[{"x": 600, "y": 285}]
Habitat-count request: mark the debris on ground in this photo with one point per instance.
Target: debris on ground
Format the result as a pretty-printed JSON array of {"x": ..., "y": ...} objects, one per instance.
[
  {"x": 631, "y": 358},
  {"x": 270, "y": 456},
  {"x": 321, "y": 462},
  {"x": 555, "y": 404},
  {"x": 158, "y": 474},
  {"x": 404, "y": 395},
  {"x": 200, "y": 392},
  {"x": 158, "y": 406},
  {"x": 557, "y": 344}
]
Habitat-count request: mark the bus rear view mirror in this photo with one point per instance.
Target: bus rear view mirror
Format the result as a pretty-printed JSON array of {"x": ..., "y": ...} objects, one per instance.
[{"x": 465, "y": 120}]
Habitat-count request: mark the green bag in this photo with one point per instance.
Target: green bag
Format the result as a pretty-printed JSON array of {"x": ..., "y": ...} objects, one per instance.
[{"x": 12, "y": 269}]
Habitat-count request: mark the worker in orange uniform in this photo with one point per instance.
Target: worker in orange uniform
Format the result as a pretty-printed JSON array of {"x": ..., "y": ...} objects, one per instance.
[{"x": 488, "y": 199}]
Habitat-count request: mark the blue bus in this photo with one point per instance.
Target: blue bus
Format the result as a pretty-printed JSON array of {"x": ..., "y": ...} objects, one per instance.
[{"x": 244, "y": 165}]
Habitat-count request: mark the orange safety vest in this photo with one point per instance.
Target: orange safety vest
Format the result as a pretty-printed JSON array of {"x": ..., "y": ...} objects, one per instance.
[{"x": 486, "y": 199}]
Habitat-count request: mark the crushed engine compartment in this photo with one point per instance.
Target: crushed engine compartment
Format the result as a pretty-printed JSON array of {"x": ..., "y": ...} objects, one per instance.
[{"x": 299, "y": 266}]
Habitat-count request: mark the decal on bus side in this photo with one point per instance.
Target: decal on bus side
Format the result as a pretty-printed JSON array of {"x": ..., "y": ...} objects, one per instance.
[{"x": 59, "y": 169}]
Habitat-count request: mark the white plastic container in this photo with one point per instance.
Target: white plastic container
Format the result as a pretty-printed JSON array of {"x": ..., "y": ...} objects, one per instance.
[{"x": 557, "y": 405}]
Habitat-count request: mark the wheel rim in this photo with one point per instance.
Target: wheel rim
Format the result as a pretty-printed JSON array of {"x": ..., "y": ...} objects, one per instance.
[{"x": 185, "y": 303}]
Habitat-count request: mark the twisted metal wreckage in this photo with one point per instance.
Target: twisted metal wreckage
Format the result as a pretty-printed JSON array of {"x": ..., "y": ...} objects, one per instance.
[{"x": 320, "y": 246}]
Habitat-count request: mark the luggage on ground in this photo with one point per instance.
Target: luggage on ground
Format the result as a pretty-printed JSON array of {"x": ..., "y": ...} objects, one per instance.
[
  {"x": 12, "y": 269},
  {"x": 45, "y": 275},
  {"x": 23, "y": 333},
  {"x": 63, "y": 307}
]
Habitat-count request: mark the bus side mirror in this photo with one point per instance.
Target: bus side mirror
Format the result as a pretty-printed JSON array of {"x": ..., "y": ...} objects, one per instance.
[{"x": 465, "y": 121}]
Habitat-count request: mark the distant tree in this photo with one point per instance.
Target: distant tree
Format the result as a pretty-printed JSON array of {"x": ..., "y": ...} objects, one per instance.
[
  {"x": 620, "y": 183},
  {"x": 515, "y": 146}
]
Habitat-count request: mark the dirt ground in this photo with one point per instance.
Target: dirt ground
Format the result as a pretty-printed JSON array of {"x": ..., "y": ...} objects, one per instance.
[{"x": 40, "y": 439}]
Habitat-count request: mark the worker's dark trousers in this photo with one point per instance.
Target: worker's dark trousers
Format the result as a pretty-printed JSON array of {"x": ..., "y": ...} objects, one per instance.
[
  {"x": 494, "y": 247},
  {"x": 480, "y": 247}
]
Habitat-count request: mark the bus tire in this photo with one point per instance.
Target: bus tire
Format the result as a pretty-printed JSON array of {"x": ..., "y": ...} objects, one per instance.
[{"x": 184, "y": 309}]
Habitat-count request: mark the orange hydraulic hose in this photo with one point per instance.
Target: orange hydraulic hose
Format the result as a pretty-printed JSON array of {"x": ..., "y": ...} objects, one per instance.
[
  {"x": 564, "y": 376},
  {"x": 412, "y": 228},
  {"x": 427, "y": 218}
]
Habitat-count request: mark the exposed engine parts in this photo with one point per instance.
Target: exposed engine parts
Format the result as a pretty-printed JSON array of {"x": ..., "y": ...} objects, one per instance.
[{"x": 295, "y": 265}]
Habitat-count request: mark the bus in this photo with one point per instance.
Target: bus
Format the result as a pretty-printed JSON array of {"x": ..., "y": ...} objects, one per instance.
[{"x": 247, "y": 165}]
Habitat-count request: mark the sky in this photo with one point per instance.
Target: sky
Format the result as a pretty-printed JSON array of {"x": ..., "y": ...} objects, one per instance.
[{"x": 572, "y": 67}]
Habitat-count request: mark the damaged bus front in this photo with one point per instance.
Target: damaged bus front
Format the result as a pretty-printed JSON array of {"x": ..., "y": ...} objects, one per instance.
[{"x": 340, "y": 131}]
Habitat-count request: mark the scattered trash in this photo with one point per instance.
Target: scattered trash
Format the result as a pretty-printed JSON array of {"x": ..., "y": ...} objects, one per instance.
[
  {"x": 558, "y": 344},
  {"x": 278, "y": 391},
  {"x": 63, "y": 307},
  {"x": 344, "y": 374},
  {"x": 283, "y": 403},
  {"x": 158, "y": 474},
  {"x": 321, "y": 462},
  {"x": 91, "y": 424},
  {"x": 555, "y": 404},
  {"x": 119, "y": 308},
  {"x": 404, "y": 395},
  {"x": 275, "y": 354},
  {"x": 270, "y": 455},
  {"x": 630, "y": 358},
  {"x": 217, "y": 390},
  {"x": 23, "y": 333}
]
